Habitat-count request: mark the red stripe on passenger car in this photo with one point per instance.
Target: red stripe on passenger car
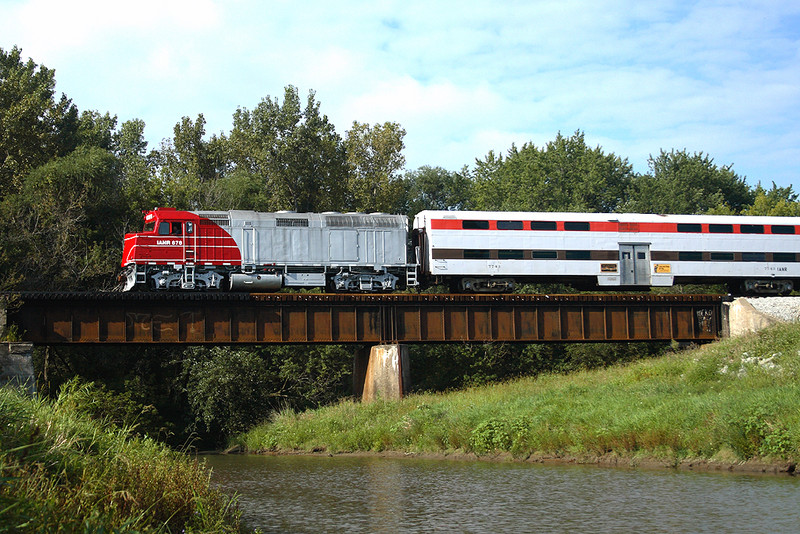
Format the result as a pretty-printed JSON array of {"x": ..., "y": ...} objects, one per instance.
[
  {"x": 445, "y": 224},
  {"x": 609, "y": 226}
]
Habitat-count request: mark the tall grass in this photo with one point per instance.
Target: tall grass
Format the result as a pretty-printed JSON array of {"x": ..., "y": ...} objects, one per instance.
[
  {"x": 61, "y": 471},
  {"x": 731, "y": 401}
]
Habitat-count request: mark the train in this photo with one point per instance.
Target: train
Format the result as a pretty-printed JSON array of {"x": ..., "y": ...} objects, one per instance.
[{"x": 469, "y": 251}]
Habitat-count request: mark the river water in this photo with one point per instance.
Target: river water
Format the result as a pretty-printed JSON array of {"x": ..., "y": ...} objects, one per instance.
[{"x": 297, "y": 494}]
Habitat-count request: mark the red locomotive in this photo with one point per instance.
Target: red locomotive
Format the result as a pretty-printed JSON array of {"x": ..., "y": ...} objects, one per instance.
[{"x": 247, "y": 250}]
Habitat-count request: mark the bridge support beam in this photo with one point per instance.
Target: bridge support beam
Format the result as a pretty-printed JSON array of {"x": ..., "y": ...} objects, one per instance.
[
  {"x": 383, "y": 373},
  {"x": 16, "y": 366}
]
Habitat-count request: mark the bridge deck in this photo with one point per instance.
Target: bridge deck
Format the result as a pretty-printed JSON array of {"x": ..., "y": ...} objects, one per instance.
[{"x": 237, "y": 318}]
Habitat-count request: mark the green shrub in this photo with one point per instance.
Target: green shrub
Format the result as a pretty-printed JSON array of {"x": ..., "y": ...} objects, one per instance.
[
  {"x": 491, "y": 436},
  {"x": 757, "y": 433}
]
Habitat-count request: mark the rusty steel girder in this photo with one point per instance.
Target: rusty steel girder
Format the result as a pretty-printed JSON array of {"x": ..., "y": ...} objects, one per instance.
[{"x": 230, "y": 318}]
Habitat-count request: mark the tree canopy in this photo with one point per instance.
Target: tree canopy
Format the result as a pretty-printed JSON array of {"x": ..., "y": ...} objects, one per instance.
[
  {"x": 687, "y": 183},
  {"x": 564, "y": 175}
]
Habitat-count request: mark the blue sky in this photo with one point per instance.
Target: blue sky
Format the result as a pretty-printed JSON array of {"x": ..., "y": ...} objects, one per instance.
[{"x": 462, "y": 78}]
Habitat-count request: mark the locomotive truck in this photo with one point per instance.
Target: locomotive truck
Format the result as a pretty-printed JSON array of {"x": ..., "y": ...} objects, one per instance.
[{"x": 470, "y": 251}]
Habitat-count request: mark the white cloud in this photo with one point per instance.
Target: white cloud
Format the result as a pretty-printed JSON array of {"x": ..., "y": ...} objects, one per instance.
[
  {"x": 59, "y": 29},
  {"x": 461, "y": 78}
]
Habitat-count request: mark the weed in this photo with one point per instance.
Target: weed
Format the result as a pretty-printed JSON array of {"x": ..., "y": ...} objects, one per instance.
[{"x": 62, "y": 471}]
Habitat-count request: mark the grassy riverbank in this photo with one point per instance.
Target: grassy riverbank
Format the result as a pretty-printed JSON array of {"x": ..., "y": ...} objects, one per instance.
[
  {"x": 727, "y": 403},
  {"x": 62, "y": 471}
]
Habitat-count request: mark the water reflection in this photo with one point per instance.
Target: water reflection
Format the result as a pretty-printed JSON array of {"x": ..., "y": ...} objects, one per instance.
[{"x": 312, "y": 494}]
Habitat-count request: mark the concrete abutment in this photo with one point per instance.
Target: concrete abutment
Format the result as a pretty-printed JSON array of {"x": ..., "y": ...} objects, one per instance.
[{"x": 741, "y": 317}]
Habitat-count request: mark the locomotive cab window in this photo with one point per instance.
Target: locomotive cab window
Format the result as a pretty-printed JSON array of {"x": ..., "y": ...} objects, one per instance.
[
  {"x": 189, "y": 227},
  {"x": 149, "y": 227},
  {"x": 169, "y": 228}
]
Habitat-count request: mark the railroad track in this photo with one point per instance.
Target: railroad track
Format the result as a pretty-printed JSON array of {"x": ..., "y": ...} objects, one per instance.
[{"x": 168, "y": 296}]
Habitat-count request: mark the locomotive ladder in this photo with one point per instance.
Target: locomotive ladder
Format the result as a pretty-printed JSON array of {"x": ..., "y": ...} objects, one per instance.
[
  {"x": 411, "y": 276},
  {"x": 189, "y": 242}
]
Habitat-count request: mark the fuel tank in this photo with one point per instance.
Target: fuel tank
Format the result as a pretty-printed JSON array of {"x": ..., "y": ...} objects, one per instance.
[{"x": 255, "y": 282}]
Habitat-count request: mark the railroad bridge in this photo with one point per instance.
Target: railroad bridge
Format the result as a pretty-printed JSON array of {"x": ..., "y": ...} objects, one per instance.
[{"x": 387, "y": 322}]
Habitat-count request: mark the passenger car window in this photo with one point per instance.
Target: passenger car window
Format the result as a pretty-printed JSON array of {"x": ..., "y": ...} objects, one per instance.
[
  {"x": 509, "y": 225},
  {"x": 576, "y": 226},
  {"x": 578, "y": 255},
  {"x": 477, "y": 254},
  {"x": 751, "y": 228},
  {"x": 510, "y": 254},
  {"x": 690, "y": 256},
  {"x": 544, "y": 255},
  {"x": 784, "y": 256},
  {"x": 754, "y": 256},
  {"x": 720, "y": 228}
]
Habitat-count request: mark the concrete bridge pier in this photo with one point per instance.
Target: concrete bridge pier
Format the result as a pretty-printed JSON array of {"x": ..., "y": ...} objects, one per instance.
[
  {"x": 16, "y": 360},
  {"x": 381, "y": 372},
  {"x": 16, "y": 366}
]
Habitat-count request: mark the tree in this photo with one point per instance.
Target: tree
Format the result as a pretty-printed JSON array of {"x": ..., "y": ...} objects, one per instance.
[
  {"x": 434, "y": 188},
  {"x": 564, "y": 175},
  {"x": 237, "y": 190},
  {"x": 188, "y": 164},
  {"x": 61, "y": 230},
  {"x": 374, "y": 156},
  {"x": 34, "y": 128},
  {"x": 230, "y": 390},
  {"x": 684, "y": 183},
  {"x": 140, "y": 188},
  {"x": 97, "y": 130},
  {"x": 778, "y": 201},
  {"x": 293, "y": 150}
]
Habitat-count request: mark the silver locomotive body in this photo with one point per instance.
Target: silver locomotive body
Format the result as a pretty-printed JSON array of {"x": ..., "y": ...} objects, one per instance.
[{"x": 343, "y": 252}]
